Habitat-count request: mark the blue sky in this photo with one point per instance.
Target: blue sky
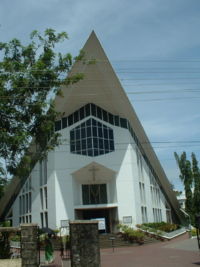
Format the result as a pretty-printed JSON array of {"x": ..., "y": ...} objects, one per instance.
[{"x": 154, "y": 47}]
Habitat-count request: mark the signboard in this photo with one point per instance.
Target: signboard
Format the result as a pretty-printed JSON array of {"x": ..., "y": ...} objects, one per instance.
[
  {"x": 101, "y": 223},
  {"x": 127, "y": 219},
  {"x": 64, "y": 223}
]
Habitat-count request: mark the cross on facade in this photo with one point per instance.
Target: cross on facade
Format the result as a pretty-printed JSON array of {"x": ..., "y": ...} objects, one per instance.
[{"x": 93, "y": 170}]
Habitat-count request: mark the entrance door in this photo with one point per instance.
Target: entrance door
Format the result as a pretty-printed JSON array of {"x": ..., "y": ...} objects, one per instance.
[{"x": 98, "y": 213}]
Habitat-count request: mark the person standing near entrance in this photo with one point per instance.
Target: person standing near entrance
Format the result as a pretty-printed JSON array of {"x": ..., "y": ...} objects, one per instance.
[{"x": 48, "y": 249}]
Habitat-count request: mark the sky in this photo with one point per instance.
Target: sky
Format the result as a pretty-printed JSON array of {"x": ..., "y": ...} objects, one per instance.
[{"x": 154, "y": 47}]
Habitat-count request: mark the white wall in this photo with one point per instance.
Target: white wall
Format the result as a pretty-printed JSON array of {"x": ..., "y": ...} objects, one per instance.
[{"x": 64, "y": 191}]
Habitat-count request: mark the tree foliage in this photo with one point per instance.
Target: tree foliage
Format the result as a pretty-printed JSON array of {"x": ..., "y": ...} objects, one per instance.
[
  {"x": 30, "y": 75},
  {"x": 190, "y": 176}
]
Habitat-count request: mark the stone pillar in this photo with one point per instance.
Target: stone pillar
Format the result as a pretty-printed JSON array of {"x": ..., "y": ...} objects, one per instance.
[
  {"x": 29, "y": 250},
  {"x": 84, "y": 238}
]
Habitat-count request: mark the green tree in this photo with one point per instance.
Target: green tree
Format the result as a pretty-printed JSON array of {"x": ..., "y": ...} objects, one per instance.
[
  {"x": 30, "y": 77},
  {"x": 3, "y": 181},
  {"x": 190, "y": 176},
  {"x": 196, "y": 177},
  {"x": 186, "y": 177}
]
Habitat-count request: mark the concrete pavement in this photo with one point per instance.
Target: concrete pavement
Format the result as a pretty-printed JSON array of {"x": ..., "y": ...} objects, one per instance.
[{"x": 179, "y": 252}]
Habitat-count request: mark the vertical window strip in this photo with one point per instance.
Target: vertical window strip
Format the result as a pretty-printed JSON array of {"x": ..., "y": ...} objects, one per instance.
[
  {"x": 144, "y": 214},
  {"x": 142, "y": 193},
  {"x": 41, "y": 173},
  {"x": 41, "y": 199},
  {"x": 42, "y": 219},
  {"x": 46, "y": 218},
  {"x": 46, "y": 197}
]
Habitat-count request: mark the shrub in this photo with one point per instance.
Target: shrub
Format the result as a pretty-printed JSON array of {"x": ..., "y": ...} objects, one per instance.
[
  {"x": 15, "y": 238},
  {"x": 193, "y": 232},
  {"x": 162, "y": 226}
]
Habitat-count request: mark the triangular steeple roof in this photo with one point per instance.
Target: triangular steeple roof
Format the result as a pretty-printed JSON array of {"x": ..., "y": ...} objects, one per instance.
[{"x": 102, "y": 87}]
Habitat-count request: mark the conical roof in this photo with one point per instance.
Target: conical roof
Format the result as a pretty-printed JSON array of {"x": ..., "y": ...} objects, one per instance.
[{"x": 102, "y": 87}]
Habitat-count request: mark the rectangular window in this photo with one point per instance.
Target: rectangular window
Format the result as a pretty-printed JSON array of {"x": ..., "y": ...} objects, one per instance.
[
  {"x": 105, "y": 115},
  {"x": 20, "y": 205},
  {"x": 30, "y": 183},
  {"x": 111, "y": 120},
  {"x": 46, "y": 197},
  {"x": 144, "y": 214},
  {"x": 27, "y": 205},
  {"x": 78, "y": 134},
  {"x": 64, "y": 122},
  {"x": 116, "y": 118},
  {"x": 82, "y": 113},
  {"x": 100, "y": 131},
  {"x": 105, "y": 132},
  {"x": 93, "y": 110},
  {"x": 123, "y": 123},
  {"x": 58, "y": 125},
  {"x": 30, "y": 202},
  {"x": 99, "y": 113},
  {"x": 87, "y": 109},
  {"x": 70, "y": 120},
  {"x": 89, "y": 131},
  {"x": 45, "y": 170},
  {"x": 41, "y": 198},
  {"x": 42, "y": 219},
  {"x": 94, "y": 194},
  {"x": 41, "y": 173},
  {"x": 23, "y": 204},
  {"x": 83, "y": 134},
  {"x": 142, "y": 193},
  {"x": 76, "y": 116},
  {"x": 46, "y": 219}
]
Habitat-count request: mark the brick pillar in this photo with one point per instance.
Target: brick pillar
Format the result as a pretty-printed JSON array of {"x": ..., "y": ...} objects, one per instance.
[
  {"x": 29, "y": 251},
  {"x": 84, "y": 237}
]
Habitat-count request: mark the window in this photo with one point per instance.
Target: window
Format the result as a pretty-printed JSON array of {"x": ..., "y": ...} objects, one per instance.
[
  {"x": 57, "y": 125},
  {"x": 46, "y": 219},
  {"x": 94, "y": 194},
  {"x": 144, "y": 214},
  {"x": 157, "y": 215},
  {"x": 91, "y": 138},
  {"x": 142, "y": 193},
  {"x": 43, "y": 172},
  {"x": 45, "y": 197},
  {"x": 42, "y": 219},
  {"x": 20, "y": 205},
  {"x": 41, "y": 198},
  {"x": 30, "y": 202}
]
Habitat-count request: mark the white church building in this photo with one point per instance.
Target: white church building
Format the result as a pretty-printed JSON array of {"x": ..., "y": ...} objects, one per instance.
[{"x": 104, "y": 167}]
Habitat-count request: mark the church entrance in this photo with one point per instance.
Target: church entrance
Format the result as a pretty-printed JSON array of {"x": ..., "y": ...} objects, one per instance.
[{"x": 106, "y": 214}]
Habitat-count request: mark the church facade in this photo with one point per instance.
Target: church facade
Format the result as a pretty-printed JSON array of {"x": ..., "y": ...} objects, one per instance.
[{"x": 104, "y": 167}]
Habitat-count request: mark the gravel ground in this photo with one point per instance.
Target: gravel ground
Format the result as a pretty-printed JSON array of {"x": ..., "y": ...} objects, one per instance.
[{"x": 10, "y": 263}]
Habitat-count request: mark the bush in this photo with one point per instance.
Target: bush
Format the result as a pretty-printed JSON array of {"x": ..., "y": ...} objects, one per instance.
[
  {"x": 162, "y": 226},
  {"x": 131, "y": 235},
  {"x": 15, "y": 238},
  {"x": 193, "y": 232}
]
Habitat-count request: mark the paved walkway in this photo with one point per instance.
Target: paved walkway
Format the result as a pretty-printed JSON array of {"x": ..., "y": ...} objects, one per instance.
[{"x": 179, "y": 252}]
